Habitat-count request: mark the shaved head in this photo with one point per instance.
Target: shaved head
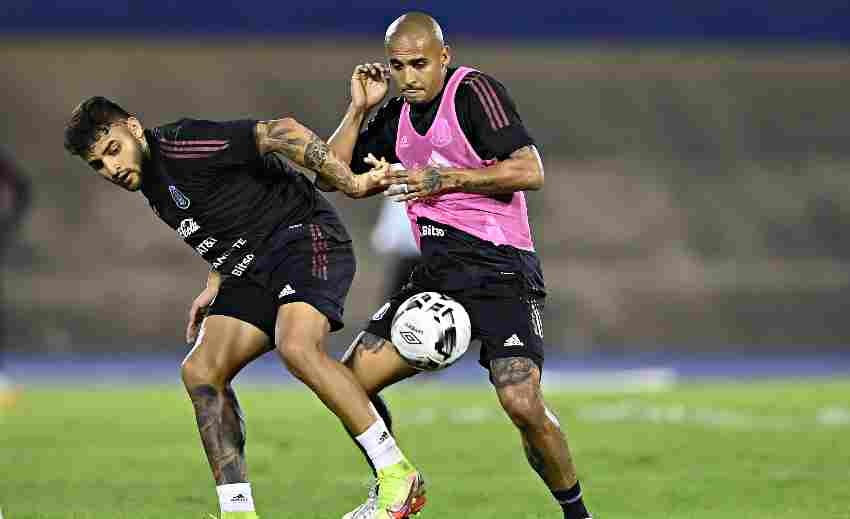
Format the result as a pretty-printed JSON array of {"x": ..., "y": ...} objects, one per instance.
[
  {"x": 414, "y": 25},
  {"x": 418, "y": 57}
]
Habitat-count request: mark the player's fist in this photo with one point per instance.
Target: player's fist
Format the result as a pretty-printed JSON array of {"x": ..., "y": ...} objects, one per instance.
[
  {"x": 369, "y": 84},
  {"x": 198, "y": 311}
]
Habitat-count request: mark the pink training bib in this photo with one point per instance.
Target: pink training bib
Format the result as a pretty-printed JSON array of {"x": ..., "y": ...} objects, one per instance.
[{"x": 502, "y": 221}]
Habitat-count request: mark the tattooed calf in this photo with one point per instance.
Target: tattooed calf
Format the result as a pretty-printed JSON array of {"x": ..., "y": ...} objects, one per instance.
[{"x": 222, "y": 428}]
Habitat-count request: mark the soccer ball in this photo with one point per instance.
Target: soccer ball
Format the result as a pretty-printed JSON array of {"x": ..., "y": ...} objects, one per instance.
[{"x": 431, "y": 331}]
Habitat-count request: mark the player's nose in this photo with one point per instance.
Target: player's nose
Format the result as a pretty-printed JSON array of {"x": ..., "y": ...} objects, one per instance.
[
  {"x": 408, "y": 78},
  {"x": 112, "y": 167}
]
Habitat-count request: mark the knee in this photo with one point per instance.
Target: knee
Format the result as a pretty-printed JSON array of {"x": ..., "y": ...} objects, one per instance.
[
  {"x": 298, "y": 357},
  {"x": 524, "y": 407},
  {"x": 197, "y": 370}
]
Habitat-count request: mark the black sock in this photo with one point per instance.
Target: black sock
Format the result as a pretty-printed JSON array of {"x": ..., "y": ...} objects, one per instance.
[
  {"x": 384, "y": 413},
  {"x": 571, "y": 502}
]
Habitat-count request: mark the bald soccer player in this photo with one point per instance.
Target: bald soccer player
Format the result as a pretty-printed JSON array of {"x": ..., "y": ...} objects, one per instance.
[{"x": 466, "y": 159}]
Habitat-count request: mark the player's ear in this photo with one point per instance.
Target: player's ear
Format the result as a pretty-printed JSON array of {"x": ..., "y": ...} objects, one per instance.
[
  {"x": 135, "y": 127},
  {"x": 446, "y": 56}
]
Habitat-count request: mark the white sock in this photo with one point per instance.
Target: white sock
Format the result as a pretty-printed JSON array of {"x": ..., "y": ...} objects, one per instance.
[
  {"x": 380, "y": 445},
  {"x": 235, "y": 497}
]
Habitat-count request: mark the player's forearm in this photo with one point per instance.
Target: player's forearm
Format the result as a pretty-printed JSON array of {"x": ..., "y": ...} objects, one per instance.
[
  {"x": 344, "y": 139},
  {"x": 303, "y": 147},
  {"x": 213, "y": 280},
  {"x": 523, "y": 171}
]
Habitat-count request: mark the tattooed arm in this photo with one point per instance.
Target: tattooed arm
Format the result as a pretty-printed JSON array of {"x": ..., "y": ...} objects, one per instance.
[
  {"x": 302, "y": 146},
  {"x": 522, "y": 171}
]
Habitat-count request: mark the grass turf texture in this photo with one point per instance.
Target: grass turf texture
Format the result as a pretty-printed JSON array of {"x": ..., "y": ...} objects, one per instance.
[{"x": 744, "y": 450}]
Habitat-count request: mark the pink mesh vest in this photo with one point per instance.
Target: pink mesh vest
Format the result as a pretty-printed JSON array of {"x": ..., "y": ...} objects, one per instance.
[{"x": 445, "y": 146}]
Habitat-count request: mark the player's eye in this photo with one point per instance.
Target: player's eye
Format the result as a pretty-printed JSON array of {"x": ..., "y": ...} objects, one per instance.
[
  {"x": 420, "y": 64},
  {"x": 114, "y": 148},
  {"x": 396, "y": 65}
]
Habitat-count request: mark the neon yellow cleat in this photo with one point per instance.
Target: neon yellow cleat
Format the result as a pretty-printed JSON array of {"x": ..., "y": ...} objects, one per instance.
[
  {"x": 368, "y": 509},
  {"x": 401, "y": 492}
]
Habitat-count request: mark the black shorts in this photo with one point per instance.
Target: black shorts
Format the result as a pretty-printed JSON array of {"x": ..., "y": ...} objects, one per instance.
[
  {"x": 311, "y": 263},
  {"x": 506, "y": 318}
]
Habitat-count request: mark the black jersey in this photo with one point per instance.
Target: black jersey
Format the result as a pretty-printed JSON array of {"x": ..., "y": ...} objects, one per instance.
[
  {"x": 208, "y": 181},
  {"x": 487, "y": 116}
]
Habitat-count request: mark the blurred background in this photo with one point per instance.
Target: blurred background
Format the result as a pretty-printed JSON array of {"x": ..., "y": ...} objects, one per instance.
[{"x": 696, "y": 199}]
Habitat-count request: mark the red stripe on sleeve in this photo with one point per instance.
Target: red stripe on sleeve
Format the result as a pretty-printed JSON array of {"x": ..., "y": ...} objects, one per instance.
[
  {"x": 192, "y": 143},
  {"x": 496, "y": 101},
  {"x": 494, "y": 124}
]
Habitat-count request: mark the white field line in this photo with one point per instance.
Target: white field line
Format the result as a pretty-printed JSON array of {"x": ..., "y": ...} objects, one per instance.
[
  {"x": 640, "y": 412},
  {"x": 680, "y": 414},
  {"x": 611, "y": 381}
]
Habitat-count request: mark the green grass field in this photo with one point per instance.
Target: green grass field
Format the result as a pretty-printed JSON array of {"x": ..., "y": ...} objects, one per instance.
[{"x": 768, "y": 450}]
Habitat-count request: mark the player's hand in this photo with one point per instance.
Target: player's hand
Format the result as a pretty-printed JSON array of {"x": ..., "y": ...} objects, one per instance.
[
  {"x": 369, "y": 84},
  {"x": 378, "y": 166},
  {"x": 199, "y": 309},
  {"x": 412, "y": 184},
  {"x": 374, "y": 179}
]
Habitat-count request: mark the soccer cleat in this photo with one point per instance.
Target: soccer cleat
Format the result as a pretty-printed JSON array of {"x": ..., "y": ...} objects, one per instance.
[
  {"x": 368, "y": 509},
  {"x": 401, "y": 492}
]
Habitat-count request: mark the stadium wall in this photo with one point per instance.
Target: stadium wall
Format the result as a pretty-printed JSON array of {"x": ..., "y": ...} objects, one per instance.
[{"x": 695, "y": 197}]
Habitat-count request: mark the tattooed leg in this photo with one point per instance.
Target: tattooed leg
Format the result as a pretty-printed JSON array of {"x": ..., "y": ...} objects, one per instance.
[
  {"x": 222, "y": 428},
  {"x": 534, "y": 457},
  {"x": 375, "y": 363},
  {"x": 517, "y": 383}
]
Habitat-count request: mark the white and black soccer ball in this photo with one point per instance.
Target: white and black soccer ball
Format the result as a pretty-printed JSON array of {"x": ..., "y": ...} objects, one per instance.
[{"x": 431, "y": 331}]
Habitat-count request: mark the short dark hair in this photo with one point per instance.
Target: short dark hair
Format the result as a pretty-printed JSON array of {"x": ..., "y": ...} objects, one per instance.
[{"x": 89, "y": 121}]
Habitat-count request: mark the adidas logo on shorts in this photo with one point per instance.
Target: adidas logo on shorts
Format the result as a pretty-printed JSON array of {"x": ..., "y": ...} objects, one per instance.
[
  {"x": 513, "y": 340},
  {"x": 287, "y": 291},
  {"x": 239, "y": 498}
]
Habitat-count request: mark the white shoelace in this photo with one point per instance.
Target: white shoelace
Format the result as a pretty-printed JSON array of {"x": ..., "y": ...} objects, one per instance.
[{"x": 367, "y": 510}]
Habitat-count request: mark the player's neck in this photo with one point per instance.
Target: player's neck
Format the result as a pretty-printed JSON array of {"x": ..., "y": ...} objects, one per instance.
[
  {"x": 146, "y": 158},
  {"x": 423, "y": 108},
  {"x": 146, "y": 150}
]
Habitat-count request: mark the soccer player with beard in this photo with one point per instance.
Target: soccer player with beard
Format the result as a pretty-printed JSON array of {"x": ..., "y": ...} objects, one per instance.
[
  {"x": 466, "y": 160},
  {"x": 281, "y": 265}
]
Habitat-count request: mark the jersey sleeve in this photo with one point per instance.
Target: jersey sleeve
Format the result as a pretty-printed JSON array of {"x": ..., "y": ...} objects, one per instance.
[
  {"x": 218, "y": 144},
  {"x": 378, "y": 137},
  {"x": 489, "y": 117}
]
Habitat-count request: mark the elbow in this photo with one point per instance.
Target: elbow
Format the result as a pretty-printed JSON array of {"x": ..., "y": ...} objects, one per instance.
[
  {"x": 535, "y": 167},
  {"x": 535, "y": 180}
]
